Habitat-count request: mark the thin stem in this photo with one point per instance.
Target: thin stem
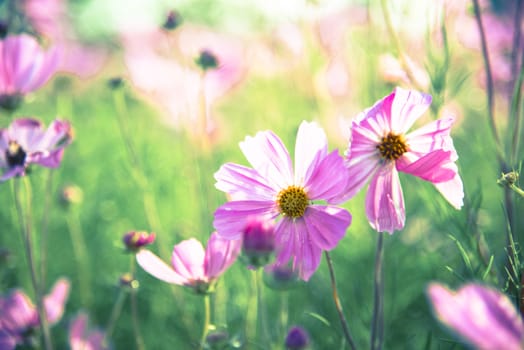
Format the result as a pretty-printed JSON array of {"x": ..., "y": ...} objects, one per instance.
[
  {"x": 24, "y": 217},
  {"x": 338, "y": 305},
  {"x": 262, "y": 321},
  {"x": 284, "y": 312},
  {"x": 134, "y": 309},
  {"x": 489, "y": 81},
  {"x": 81, "y": 258},
  {"x": 207, "y": 320},
  {"x": 515, "y": 113},
  {"x": 377, "y": 324},
  {"x": 44, "y": 232},
  {"x": 115, "y": 313}
]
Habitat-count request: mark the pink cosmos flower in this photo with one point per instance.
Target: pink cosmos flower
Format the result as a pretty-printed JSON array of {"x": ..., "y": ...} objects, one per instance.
[
  {"x": 80, "y": 338},
  {"x": 25, "y": 142},
  {"x": 481, "y": 315},
  {"x": 274, "y": 189},
  {"x": 380, "y": 146},
  {"x": 191, "y": 265},
  {"x": 18, "y": 315},
  {"x": 24, "y": 66}
]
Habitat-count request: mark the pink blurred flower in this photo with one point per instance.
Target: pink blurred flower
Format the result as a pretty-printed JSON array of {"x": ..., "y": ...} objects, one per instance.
[
  {"x": 135, "y": 240},
  {"x": 191, "y": 265},
  {"x": 258, "y": 242},
  {"x": 81, "y": 338},
  {"x": 25, "y": 142},
  {"x": 24, "y": 66},
  {"x": 51, "y": 18},
  {"x": 481, "y": 315},
  {"x": 273, "y": 189},
  {"x": 380, "y": 146},
  {"x": 18, "y": 315}
]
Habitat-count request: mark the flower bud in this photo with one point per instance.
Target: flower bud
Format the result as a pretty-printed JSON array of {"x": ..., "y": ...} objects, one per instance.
[
  {"x": 173, "y": 20},
  {"x": 217, "y": 339},
  {"x": 127, "y": 280},
  {"x": 258, "y": 242},
  {"x": 280, "y": 277},
  {"x": 297, "y": 338},
  {"x": 508, "y": 179},
  {"x": 134, "y": 240},
  {"x": 71, "y": 194},
  {"x": 207, "y": 60},
  {"x": 115, "y": 83}
]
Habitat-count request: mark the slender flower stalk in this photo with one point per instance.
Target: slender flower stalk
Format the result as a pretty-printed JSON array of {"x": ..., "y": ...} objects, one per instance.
[
  {"x": 207, "y": 320},
  {"x": 338, "y": 304},
  {"x": 140, "y": 345},
  {"x": 43, "y": 229},
  {"x": 115, "y": 314},
  {"x": 25, "y": 219},
  {"x": 377, "y": 323}
]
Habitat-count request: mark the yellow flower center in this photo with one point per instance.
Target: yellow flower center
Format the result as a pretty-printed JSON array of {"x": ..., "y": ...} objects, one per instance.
[
  {"x": 292, "y": 201},
  {"x": 392, "y": 146}
]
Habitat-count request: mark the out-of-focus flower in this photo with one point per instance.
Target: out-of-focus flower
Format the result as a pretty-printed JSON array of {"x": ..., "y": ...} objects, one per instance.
[
  {"x": 19, "y": 317},
  {"x": 479, "y": 314},
  {"x": 24, "y": 67},
  {"x": 81, "y": 338},
  {"x": 297, "y": 338},
  {"x": 25, "y": 142},
  {"x": 191, "y": 265},
  {"x": 181, "y": 89},
  {"x": 391, "y": 71},
  {"x": 173, "y": 20},
  {"x": 280, "y": 277},
  {"x": 258, "y": 242},
  {"x": 206, "y": 60},
  {"x": 51, "y": 18},
  {"x": 135, "y": 240},
  {"x": 71, "y": 195},
  {"x": 380, "y": 146},
  {"x": 273, "y": 189}
]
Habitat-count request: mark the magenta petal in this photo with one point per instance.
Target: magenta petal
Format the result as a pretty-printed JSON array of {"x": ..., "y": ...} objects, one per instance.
[
  {"x": 231, "y": 218},
  {"x": 243, "y": 183},
  {"x": 18, "y": 313},
  {"x": 481, "y": 315},
  {"x": 432, "y": 136},
  {"x": 284, "y": 241},
  {"x": 385, "y": 201},
  {"x": 27, "y": 132},
  {"x": 407, "y": 107},
  {"x": 326, "y": 225},
  {"x": 188, "y": 259},
  {"x": 55, "y": 301},
  {"x": 329, "y": 178},
  {"x": 153, "y": 265},
  {"x": 431, "y": 167},
  {"x": 220, "y": 254}
]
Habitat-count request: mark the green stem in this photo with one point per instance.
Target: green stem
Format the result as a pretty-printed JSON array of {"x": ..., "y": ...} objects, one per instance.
[
  {"x": 44, "y": 232},
  {"x": 338, "y": 304},
  {"x": 134, "y": 309},
  {"x": 263, "y": 335},
  {"x": 115, "y": 313},
  {"x": 377, "y": 325},
  {"x": 24, "y": 217},
  {"x": 207, "y": 321},
  {"x": 81, "y": 258}
]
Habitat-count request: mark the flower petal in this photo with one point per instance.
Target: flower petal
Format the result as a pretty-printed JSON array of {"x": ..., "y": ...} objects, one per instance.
[
  {"x": 432, "y": 136},
  {"x": 269, "y": 157},
  {"x": 310, "y": 149},
  {"x": 407, "y": 107},
  {"x": 452, "y": 191},
  {"x": 27, "y": 132},
  {"x": 220, "y": 254},
  {"x": 55, "y": 301},
  {"x": 153, "y": 265},
  {"x": 326, "y": 225},
  {"x": 231, "y": 218},
  {"x": 188, "y": 259},
  {"x": 431, "y": 167},
  {"x": 243, "y": 183},
  {"x": 385, "y": 201},
  {"x": 483, "y": 316},
  {"x": 328, "y": 179}
]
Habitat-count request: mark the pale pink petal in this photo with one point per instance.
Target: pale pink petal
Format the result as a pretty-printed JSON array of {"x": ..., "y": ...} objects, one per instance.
[
  {"x": 310, "y": 149},
  {"x": 284, "y": 241},
  {"x": 481, "y": 315},
  {"x": 188, "y": 259},
  {"x": 54, "y": 302},
  {"x": 431, "y": 167},
  {"x": 269, "y": 157},
  {"x": 452, "y": 191},
  {"x": 385, "y": 201},
  {"x": 77, "y": 330},
  {"x": 240, "y": 181},
  {"x": 220, "y": 254},
  {"x": 407, "y": 107},
  {"x": 231, "y": 218},
  {"x": 328, "y": 179},
  {"x": 27, "y": 132},
  {"x": 326, "y": 225},
  {"x": 58, "y": 132},
  {"x": 18, "y": 313},
  {"x": 430, "y": 137},
  {"x": 153, "y": 265}
]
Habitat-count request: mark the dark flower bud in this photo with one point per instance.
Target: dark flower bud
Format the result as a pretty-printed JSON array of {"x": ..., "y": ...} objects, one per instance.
[
  {"x": 297, "y": 338},
  {"x": 10, "y": 102},
  {"x": 258, "y": 242},
  {"x": 173, "y": 20},
  {"x": 127, "y": 280},
  {"x": 509, "y": 178},
  {"x": 217, "y": 339},
  {"x": 115, "y": 83},
  {"x": 4, "y": 29},
  {"x": 134, "y": 240},
  {"x": 207, "y": 60},
  {"x": 280, "y": 277}
]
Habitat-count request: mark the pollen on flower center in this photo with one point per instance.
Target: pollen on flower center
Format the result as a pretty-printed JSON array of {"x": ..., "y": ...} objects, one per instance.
[
  {"x": 292, "y": 201},
  {"x": 15, "y": 154},
  {"x": 392, "y": 146}
]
